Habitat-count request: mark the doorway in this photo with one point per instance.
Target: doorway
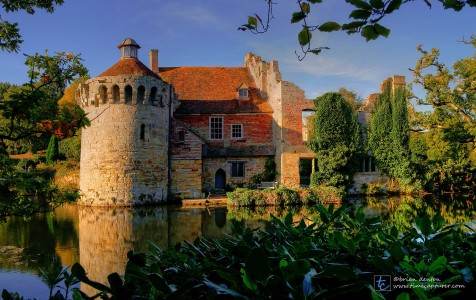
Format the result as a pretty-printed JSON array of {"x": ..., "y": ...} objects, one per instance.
[{"x": 220, "y": 180}]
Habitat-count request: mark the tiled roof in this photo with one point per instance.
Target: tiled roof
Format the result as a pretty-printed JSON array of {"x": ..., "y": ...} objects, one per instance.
[
  {"x": 129, "y": 66},
  {"x": 214, "y": 90},
  {"x": 231, "y": 106}
]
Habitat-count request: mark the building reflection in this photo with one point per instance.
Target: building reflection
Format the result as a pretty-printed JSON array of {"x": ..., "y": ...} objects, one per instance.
[{"x": 106, "y": 235}]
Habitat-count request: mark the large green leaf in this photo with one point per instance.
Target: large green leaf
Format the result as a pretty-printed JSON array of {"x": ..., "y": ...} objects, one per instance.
[
  {"x": 360, "y": 14},
  {"x": 304, "y": 36},
  {"x": 329, "y": 26},
  {"x": 369, "y": 33},
  {"x": 424, "y": 225},
  {"x": 297, "y": 17},
  {"x": 360, "y": 4},
  {"x": 381, "y": 30},
  {"x": 377, "y": 4}
]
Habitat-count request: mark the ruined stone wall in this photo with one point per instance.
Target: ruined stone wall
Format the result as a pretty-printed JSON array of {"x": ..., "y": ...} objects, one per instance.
[
  {"x": 294, "y": 146},
  {"x": 253, "y": 166},
  {"x": 287, "y": 101},
  {"x": 124, "y": 152}
]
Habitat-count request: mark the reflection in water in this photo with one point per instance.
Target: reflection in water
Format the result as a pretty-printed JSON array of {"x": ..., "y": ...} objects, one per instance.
[{"x": 99, "y": 238}]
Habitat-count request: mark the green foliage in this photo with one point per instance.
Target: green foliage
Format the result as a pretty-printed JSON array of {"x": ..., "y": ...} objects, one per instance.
[
  {"x": 32, "y": 109},
  {"x": 336, "y": 141},
  {"x": 388, "y": 135},
  {"x": 283, "y": 196},
  {"x": 71, "y": 147},
  {"x": 365, "y": 18},
  {"x": 10, "y": 38},
  {"x": 334, "y": 256},
  {"x": 52, "y": 153}
]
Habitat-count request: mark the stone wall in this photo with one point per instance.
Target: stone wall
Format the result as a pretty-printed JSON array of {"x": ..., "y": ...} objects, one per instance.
[
  {"x": 253, "y": 166},
  {"x": 187, "y": 178},
  {"x": 124, "y": 153},
  {"x": 287, "y": 101}
]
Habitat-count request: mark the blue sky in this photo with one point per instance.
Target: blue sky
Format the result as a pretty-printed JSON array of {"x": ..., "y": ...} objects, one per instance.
[{"x": 204, "y": 33}]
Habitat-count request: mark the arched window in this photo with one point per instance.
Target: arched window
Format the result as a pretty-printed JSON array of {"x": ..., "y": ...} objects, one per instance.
[
  {"x": 153, "y": 95},
  {"x": 142, "y": 132},
  {"x": 140, "y": 94},
  {"x": 115, "y": 94},
  {"x": 86, "y": 91},
  {"x": 102, "y": 95},
  {"x": 128, "y": 93}
]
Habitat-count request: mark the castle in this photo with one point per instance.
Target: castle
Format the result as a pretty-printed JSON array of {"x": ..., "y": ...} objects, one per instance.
[{"x": 187, "y": 131}]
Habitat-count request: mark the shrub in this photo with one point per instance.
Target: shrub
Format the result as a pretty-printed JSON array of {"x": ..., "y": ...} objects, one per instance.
[
  {"x": 71, "y": 147},
  {"x": 52, "y": 153}
]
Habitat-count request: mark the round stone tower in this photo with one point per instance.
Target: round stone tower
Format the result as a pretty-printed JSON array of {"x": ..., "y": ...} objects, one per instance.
[{"x": 124, "y": 153}]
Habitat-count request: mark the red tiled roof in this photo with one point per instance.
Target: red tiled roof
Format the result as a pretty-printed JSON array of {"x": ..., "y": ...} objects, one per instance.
[
  {"x": 129, "y": 66},
  {"x": 208, "y": 90},
  {"x": 207, "y": 83}
]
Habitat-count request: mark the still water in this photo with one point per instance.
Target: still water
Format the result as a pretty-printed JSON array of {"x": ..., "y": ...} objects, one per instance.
[{"x": 99, "y": 238}]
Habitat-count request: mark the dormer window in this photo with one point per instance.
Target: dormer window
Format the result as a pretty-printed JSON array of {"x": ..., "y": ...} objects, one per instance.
[{"x": 242, "y": 93}]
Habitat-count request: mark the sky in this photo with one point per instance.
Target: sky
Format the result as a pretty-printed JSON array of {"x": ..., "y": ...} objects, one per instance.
[{"x": 204, "y": 33}]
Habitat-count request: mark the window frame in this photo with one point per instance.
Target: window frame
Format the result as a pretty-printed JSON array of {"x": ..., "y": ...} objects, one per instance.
[
  {"x": 243, "y": 93},
  {"x": 239, "y": 171},
  {"x": 233, "y": 132},
  {"x": 211, "y": 132}
]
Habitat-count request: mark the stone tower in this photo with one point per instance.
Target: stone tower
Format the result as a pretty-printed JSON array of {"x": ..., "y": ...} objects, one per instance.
[{"x": 124, "y": 153}]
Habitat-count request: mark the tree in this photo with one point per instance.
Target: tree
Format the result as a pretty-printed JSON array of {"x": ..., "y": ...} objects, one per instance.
[
  {"x": 388, "y": 134},
  {"x": 336, "y": 140},
  {"x": 449, "y": 126},
  {"x": 364, "y": 19},
  {"x": 32, "y": 109},
  {"x": 10, "y": 38},
  {"x": 52, "y": 153},
  {"x": 451, "y": 92}
]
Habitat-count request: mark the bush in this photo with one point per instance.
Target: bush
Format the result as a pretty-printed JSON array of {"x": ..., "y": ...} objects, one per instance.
[
  {"x": 52, "y": 153},
  {"x": 71, "y": 147}
]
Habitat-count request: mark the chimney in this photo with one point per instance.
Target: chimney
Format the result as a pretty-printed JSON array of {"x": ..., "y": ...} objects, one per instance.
[{"x": 154, "y": 60}]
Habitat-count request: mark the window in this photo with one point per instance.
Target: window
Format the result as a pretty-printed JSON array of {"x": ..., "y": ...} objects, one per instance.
[
  {"x": 238, "y": 169},
  {"x": 243, "y": 93},
  {"x": 140, "y": 94},
  {"x": 142, "y": 132},
  {"x": 368, "y": 165},
  {"x": 181, "y": 136},
  {"x": 128, "y": 93},
  {"x": 216, "y": 128},
  {"x": 116, "y": 94},
  {"x": 236, "y": 131}
]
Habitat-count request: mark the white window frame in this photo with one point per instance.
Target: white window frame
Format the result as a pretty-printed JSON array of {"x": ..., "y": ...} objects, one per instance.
[
  {"x": 238, "y": 164},
  {"x": 243, "y": 93},
  {"x": 233, "y": 132},
  {"x": 212, "y": 134}
]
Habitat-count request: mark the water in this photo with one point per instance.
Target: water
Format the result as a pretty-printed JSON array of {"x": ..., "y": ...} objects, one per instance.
[{"x": 99, "y": 238}]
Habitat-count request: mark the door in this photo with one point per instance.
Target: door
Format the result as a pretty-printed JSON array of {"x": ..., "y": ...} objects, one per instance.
[{"x": 220, "y": 180}]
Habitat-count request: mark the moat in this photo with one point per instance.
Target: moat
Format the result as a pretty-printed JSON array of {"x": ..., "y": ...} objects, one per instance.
[{"x": 99, "y": 238}]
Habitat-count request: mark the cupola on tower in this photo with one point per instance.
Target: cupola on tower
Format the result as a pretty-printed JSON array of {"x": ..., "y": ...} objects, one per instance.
[{"x": 124, "y": 153}]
